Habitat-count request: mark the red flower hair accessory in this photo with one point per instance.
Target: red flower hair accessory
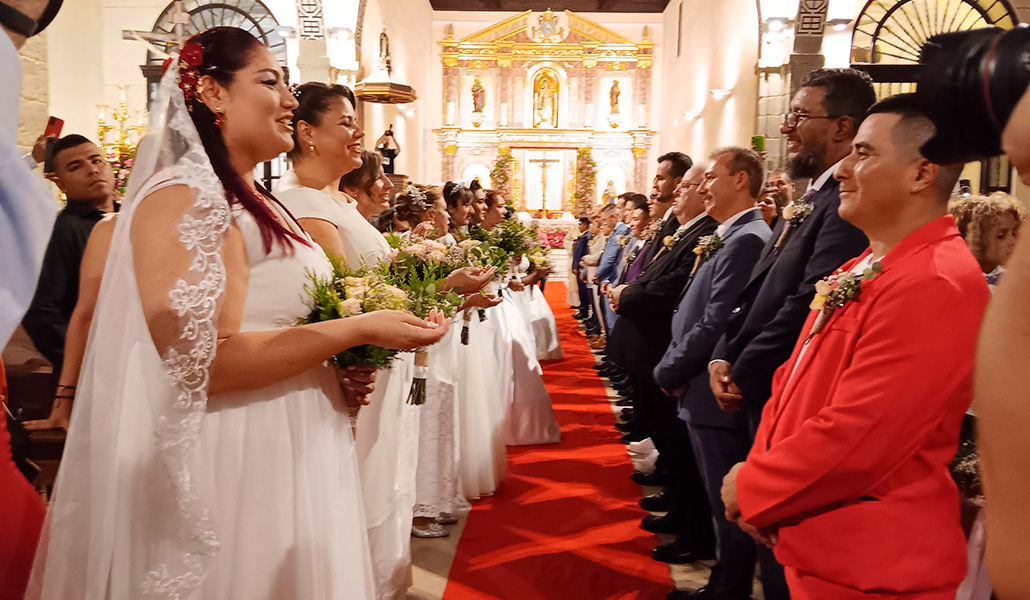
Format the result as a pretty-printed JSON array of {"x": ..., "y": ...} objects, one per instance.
[{"x": 190, "y": 58}]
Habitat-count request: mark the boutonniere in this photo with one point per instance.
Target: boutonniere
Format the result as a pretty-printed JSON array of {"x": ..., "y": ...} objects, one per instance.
[
  {"x": 622, "y": 240},
  {"x": 835, "y": 291},
  {"x": 634, "y": 254},
  {"x": 669, "y": 241},
  {"x": 706, "y": 248},
  {"x": 795, "y": 214},
  {"x": 651, "y": 231}
]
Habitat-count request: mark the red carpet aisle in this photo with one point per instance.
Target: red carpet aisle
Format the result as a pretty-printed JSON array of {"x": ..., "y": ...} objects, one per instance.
[{"x": 564, "y": 525}]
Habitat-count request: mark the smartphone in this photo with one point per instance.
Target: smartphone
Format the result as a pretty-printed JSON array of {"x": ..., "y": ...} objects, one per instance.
[
  {"x": 53, "y": 127},
  {"x": 758, "y": 143}
]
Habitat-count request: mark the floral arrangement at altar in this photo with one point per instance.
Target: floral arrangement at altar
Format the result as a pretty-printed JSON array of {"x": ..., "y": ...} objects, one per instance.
[
  {"x": 501, "y": 176},
  {"x": 552, "y": 237},
  {"x": 121, "y": 164},
  {"x": 586, "y": 181}
]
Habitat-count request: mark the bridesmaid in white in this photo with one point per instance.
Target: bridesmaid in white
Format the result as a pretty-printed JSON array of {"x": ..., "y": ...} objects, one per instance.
[
  {"x": 328, "y": 145},
  {"x": 328, "y": 148},
  {"x": 528, "y": 415},
  {"x": 210, "y": 453}
]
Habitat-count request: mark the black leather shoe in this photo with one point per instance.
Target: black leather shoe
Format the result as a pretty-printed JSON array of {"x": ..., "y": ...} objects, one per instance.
[
  {"x": 674, "y": 554},
  {"x": 634, "y": 436},
  {"x": 626, "y": 426},
  {"x": 647, "y": 478},
  {"x": 656, "y": 503},
  {"x": 627, "y": 413},
  {"x": 625, "y": 391},
  {"x": 624, "y": 402},
  {"x": 606, "y": 371},
  {"x": 701, "y": 594},
  {"x": 660, "y": 524},
  {"x": 601, "y": 366},
  {"x": 618, "y": 379}
]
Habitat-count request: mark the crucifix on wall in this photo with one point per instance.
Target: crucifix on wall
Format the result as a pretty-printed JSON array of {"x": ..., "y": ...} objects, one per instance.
[{"x": 544, "y": 164}]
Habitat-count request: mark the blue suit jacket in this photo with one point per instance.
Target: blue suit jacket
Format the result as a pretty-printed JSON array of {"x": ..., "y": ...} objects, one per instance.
[
  {"x": 608, "y": 266},
  {"x": 700, "y": 320},
  {"x": 580, "y": 249}
]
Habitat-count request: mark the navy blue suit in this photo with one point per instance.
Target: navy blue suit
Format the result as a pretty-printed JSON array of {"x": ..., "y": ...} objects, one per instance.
[
  {"x": 579, "y": 250},
  {"x": 719, "y": 439}
]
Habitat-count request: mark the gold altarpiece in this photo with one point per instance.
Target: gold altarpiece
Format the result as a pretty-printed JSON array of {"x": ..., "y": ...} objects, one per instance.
[{"x": 540, "y": 86}]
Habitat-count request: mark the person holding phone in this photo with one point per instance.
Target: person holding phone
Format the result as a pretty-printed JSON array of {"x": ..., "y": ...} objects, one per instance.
[{"x": 388, "y": 147}]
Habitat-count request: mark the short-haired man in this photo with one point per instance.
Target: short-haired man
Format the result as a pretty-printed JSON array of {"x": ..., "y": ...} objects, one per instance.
[
  {"x": 732, "y": 184},
  {"x": 824, "y": 115},
  {"x": 848, "y": 476},
  {"x": 778, "y": 193},
  {"x": 87, "y": 180},
  {"x": 608, "y": 267},
  {"x": 639, "y": 339},
  {"x": 672, "y": 167}
]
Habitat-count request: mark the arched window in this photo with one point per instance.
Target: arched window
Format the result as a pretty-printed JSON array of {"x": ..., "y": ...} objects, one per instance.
[
  {"x": 889, "y": 35},
  {"x": 249, "y": 15}
]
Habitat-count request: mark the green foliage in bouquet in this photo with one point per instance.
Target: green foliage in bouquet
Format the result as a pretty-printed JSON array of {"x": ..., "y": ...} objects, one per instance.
[
  {"x": 420, "y": 267},
  {"x": 347, "y": 293}
]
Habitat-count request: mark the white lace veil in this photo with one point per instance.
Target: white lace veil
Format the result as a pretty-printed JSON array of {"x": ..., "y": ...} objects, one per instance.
[{"x": 130, "y": 516}]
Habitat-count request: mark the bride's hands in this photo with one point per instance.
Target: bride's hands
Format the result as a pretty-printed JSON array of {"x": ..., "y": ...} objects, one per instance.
[
  {"x": 469, "y": 280},
  {"x": 60, "y": 416},
  {"x": 400, "y": 330}
]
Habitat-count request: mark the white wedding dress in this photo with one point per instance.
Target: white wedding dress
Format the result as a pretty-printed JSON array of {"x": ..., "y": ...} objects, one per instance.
[
  {"x": 482, "y": 456},
  {"x": 388, "y": 428},
  {"x": 528, "y": 415},
  {"x": 272, "y": 474},
  {"x": 165, "y": 493}
]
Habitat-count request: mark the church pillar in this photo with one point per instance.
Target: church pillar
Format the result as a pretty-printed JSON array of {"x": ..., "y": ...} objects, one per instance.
[
  {"x": 642, "y": 98},
  {"x": 808, "y": 41},
  {"x": 313, "y": 55},
  {"x": 640, "y": 170}
]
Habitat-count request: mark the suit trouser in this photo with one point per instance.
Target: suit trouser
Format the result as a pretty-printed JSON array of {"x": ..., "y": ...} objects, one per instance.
[
  {"x": 584, "y": 296},
  {"x": 687, "y": 491},
  {"x": 717, "y": 449},
  {"x": 600, "y": 300},
  {"x": 774, "y": 582},
  {"x": 608, "y": 314}
]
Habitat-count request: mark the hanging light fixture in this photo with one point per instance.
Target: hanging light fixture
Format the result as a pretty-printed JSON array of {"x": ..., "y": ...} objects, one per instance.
[{"x": 379, "y": 87}]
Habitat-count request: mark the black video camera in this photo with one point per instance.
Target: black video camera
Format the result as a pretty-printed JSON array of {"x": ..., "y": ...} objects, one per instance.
[{"x": 969, "y": 84}]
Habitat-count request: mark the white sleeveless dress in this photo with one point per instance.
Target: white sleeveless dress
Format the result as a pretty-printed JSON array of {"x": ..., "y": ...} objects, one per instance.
[{"x": 387, "y": 429}]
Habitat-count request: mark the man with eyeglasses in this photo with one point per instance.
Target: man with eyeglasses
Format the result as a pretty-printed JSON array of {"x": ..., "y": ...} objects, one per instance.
[{"x": 809, "y": 243}]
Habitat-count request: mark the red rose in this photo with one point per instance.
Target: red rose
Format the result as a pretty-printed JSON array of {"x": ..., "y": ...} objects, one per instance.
[
  {"x": 164, "y": 66},
  {"x": 192, "y": 54}
]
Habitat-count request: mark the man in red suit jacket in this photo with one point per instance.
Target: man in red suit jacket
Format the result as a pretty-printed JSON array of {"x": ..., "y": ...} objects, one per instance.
[{"x": 848, "y": 476}]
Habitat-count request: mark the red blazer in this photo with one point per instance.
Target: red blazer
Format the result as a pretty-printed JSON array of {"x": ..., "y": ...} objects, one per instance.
[{"x": 850, "y": 461}]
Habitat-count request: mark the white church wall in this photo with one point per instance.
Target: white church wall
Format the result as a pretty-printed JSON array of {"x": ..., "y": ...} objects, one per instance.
[
  {"x": 410, "y": 42},
  {"x": 88, "y": 59},
  {"x": 718, "y": 50}
]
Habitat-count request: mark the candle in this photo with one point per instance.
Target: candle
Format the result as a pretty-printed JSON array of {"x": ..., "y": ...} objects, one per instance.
[
  {"x": 504, "y": 114},
  {"x": 450, "y": 113}
]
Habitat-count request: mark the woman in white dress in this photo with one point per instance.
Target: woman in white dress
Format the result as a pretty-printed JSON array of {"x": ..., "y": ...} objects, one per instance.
[
  {"x": 328, "y": 145},
  {"x": 528, "y": 415},
  {"x": 209, "y": 454},
  {"x": 328, "y": 148}
]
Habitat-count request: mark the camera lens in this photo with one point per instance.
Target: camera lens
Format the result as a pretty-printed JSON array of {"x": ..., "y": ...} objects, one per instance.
[{"x": 969, "y": 85}]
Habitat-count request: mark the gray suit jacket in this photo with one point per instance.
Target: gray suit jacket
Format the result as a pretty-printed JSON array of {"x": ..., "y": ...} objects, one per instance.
[{"x": 700, "y": 320}]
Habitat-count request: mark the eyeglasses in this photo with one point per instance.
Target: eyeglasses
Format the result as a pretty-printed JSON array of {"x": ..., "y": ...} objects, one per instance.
[{"x": 793, "y": 119}]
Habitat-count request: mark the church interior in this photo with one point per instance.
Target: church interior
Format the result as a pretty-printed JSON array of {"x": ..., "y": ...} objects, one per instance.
[
  {"x": 563, "y": 107},
  {"x": 527, "y": 91}
]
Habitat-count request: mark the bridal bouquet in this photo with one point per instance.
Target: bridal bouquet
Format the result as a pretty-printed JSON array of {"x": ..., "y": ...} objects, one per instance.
[
  {"x": 347, "y": 293},
  {"x": 420, "y": 266}
]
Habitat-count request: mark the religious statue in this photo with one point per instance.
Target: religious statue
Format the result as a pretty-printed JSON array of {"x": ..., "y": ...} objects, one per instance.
[
  {"x": 609, "y": 196},
  {"x": 384, "y": 46},
  {"x": 613, "y": 97},
  {"x": 545, "y": 99},
  {"x": 478, "y": 96}
]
